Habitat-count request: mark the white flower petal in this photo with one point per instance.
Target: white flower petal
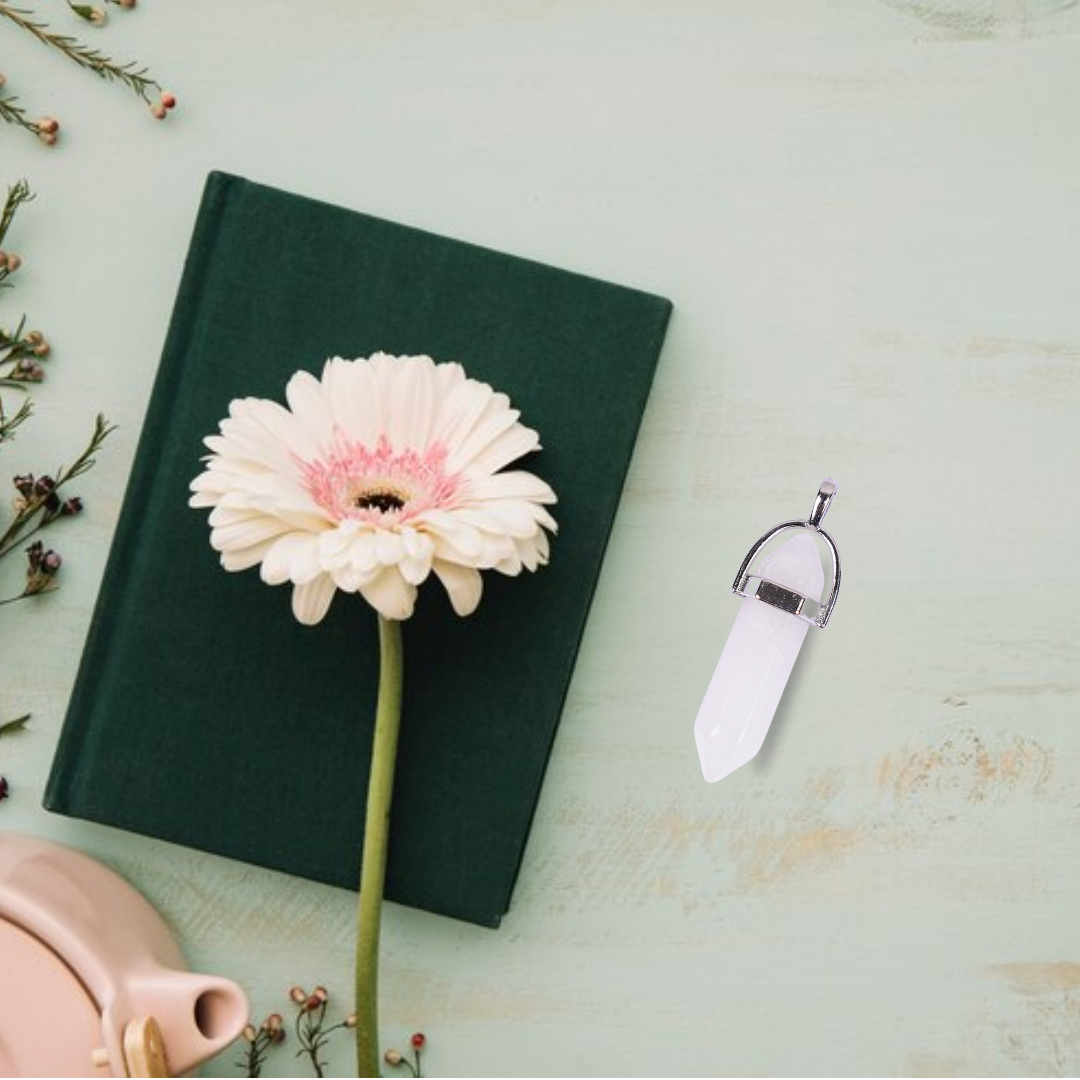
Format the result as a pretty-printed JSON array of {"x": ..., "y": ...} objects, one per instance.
[
  {"x": 501, "y": 451},
  {"x": 388, "y": 547},
  {"x": 309, "y": 406},
  {"x": 411, "y": 405},
  {"x": 390, "y": 594},
  {"x": 277, "y": 563},
  {"x": 311, "y": 601},
  {"x": 245, "y": 532},
  {"x": 463, "y": 584},
  {"x": 355, "y": 398},
  {"x": 448, "y": 528},
  {"x": 494, "y": 422},
  {"x": 335, "y": 544},
  {"x": 511, "y": 485},
  {"x": 245, "y": 558},
  {"x": 363, "y": 555},
  {"x": 415, "y": 571}
]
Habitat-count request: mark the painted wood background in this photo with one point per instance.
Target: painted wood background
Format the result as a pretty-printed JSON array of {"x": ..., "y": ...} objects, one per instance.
[{"x": 867, "y": 213}]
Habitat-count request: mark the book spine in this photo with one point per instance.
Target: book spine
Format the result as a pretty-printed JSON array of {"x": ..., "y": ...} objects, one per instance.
[{"x": 63, "y": 791}]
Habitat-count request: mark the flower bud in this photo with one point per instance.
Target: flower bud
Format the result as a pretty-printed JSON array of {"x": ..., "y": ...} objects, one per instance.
[
  {"x": 44, "y": 485},
  {"x": 42, "y": 349},
  {"x": 34, "y": 554},
  {"x": 298, "y": 994},
  {"x": 393, "y": 1057},
  {"x": 27, "y": 370},
  {"x": 51, "y": 562},
  {"x": 273, "y": 1022},
  {"x": 48, "y": 126},
  {"x": 71, "y": 507},
  {"x": 35, "y": 337},
  {"x": 249, "y": 1033},
  {"x": 321, "y": 993},
  {"x": 312, "y": 1004},
  {"x": 418, "y": 1040},
  {"x": 168, "y": 100},
  {"x": 159, "y": 111},
  {"x": 47, "y": 137},
  {"x": 88, "y": 12},
  {"x": 24, "y": 484},
  {"x": 350, "y": 1020},
  {"x": 13, "y": 263}
]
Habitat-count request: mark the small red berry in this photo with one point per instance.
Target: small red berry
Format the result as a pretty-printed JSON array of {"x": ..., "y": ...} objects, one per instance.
[
  {"x": 418, "y": 1040},
  {"x": 159, "y": 111},
  {"x": 168, "y": 100}
]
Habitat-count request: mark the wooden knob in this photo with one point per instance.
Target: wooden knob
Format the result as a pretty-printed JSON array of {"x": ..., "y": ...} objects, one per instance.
[{"x": 144, "y": 1049}]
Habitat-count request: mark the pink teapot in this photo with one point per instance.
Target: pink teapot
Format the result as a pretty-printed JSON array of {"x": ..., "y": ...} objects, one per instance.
[{"x": 91, "y": 981}]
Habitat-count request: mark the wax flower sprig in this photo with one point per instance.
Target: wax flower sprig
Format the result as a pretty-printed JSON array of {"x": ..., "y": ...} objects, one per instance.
[
  {"x": 130, "y": 74},
  {"x": 259, "y": 1041},
  {"x": 382, "y": 473},
  {"x": 40, "y": 500},
  {"x": 312, "y": 1032}
]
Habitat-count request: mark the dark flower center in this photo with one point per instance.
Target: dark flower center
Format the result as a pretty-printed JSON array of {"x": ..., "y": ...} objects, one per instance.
[{"x": 382, "y": 499}]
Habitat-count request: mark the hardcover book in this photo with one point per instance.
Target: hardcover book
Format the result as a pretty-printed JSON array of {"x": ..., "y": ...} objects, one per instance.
[{"x": 203, "y": 712}]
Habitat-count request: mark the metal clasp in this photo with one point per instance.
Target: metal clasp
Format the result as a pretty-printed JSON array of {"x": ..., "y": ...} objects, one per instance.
[{"x": 779, "y": 596}]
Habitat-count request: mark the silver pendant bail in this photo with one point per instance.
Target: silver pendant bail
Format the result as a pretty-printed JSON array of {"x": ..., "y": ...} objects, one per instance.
[
  {"x": 754, "y": 587},
  {"x": 821, "y": 503}
]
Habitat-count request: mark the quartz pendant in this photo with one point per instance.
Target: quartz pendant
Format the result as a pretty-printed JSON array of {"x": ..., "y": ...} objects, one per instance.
[{"x": 777, "y": 610}]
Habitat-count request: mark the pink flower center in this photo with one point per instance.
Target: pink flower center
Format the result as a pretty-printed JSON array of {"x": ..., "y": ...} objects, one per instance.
[{"x": 380, "y": 485}]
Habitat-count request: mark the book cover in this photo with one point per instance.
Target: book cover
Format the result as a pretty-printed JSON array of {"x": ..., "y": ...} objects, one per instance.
[{"x": 203, "y": 713}]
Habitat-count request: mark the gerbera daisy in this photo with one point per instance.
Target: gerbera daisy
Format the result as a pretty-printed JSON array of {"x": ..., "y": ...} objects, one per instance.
[{"x": 379, "y": 473}]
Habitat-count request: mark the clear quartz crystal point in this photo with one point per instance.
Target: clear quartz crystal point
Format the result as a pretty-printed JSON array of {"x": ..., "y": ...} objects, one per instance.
[{"x": 755, "y": 664}]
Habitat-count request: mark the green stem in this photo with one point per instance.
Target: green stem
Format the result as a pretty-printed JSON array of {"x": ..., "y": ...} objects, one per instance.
[{"x": 376, "y": 832}]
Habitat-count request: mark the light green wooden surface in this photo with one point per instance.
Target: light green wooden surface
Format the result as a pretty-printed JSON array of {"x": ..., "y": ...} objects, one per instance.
[{"x": 868, "y": 217}]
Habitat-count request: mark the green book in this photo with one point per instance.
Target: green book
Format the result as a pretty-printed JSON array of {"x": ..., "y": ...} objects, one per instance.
[{"x": 203, "y": 712}]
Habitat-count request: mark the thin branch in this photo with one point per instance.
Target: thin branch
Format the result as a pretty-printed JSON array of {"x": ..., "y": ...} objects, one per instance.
[
  {"x": 8, "y": 423},
  {"x": 13, "y": 113},
  {"x": 9, "y": 727},
  {"x": 137, "y": 79},
  {"x": 18, "y": 194},
  {"x": 14, "y": 534}
]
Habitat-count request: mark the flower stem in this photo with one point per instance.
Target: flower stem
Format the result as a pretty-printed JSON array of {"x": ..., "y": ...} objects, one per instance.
[{"x": 376, "y": 832}]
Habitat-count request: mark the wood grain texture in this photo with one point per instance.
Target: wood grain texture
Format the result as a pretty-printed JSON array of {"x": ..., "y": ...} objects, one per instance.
[{"x": 867, "y": 214}]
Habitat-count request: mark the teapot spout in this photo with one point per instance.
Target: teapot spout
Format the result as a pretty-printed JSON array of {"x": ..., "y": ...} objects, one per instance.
[{"x": 198, "y": 1015}]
